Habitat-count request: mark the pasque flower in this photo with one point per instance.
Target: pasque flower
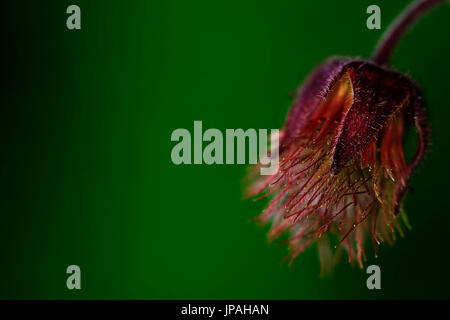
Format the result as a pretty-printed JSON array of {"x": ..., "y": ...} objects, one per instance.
[{"x": 343, "y": 172}]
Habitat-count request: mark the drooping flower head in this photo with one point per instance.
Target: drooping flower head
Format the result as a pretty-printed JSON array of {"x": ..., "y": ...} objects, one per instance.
[{"x": 343, "y": 172}]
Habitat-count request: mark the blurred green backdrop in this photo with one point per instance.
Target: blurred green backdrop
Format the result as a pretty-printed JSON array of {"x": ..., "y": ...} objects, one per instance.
[{"x": 86, "y": 175}]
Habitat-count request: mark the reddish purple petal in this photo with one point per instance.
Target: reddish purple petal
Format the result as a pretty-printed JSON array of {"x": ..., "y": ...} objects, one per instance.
[
  {"x": 311, "y": 93},
  {"x": 420, "y": 121},
  {"x": 377, "y": 94}
]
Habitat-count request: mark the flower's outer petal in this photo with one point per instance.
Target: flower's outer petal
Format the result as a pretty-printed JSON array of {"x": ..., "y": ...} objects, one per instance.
[
  {"x": 311, "y": 93},
  {"x": 377, "y": 94},
  {"x": 420, "y": 121}
]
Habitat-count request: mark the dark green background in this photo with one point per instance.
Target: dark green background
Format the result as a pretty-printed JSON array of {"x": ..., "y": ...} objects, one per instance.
[{"x": 86, "y": 176}]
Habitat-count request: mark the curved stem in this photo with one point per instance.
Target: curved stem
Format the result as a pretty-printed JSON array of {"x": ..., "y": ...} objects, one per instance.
[{"x": 391, "y": 37}]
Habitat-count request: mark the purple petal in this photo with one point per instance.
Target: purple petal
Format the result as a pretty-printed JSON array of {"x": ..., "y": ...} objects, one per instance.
[
  {"x": 377, "y": 94},
  {"x": 311, "y": 93}
]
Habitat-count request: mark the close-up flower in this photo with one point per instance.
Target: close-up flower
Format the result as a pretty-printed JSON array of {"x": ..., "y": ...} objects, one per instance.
[
  {"x": 243, "y": 159},
  {"x": 343, "y": 171}
]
